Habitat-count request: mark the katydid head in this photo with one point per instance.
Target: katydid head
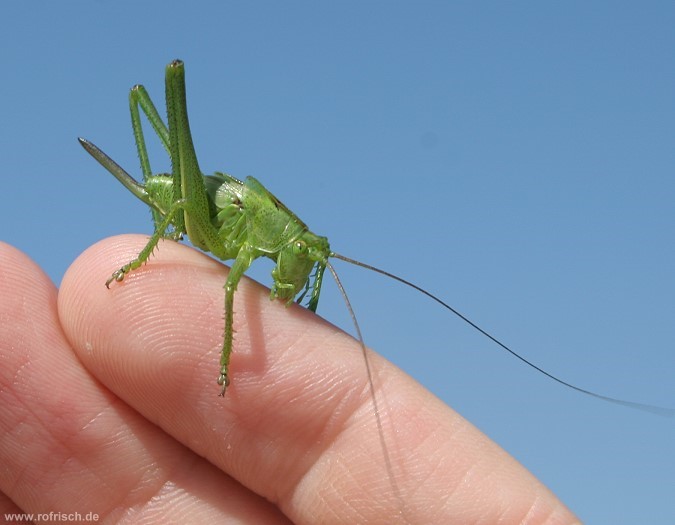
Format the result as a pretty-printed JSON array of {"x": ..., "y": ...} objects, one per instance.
[{"x": 295, "y": 263}]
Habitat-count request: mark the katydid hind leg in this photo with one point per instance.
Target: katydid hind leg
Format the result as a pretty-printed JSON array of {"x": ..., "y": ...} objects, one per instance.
[
  {"x": 188, "y": 180},
  {"x": 189, "y": 193},
  {"x": 145, "y": 253},
  {"x": 139, "y": 97},
  {"x": 187, "y": 176}
]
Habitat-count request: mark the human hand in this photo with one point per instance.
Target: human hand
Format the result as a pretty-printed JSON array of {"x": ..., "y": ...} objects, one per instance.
[{"x": 109, "y": 405}]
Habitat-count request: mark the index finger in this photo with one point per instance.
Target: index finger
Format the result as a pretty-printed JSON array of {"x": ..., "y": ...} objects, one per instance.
[{"x": 297, "y": 424}]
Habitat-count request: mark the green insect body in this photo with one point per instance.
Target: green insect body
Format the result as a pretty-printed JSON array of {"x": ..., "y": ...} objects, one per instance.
[
  {"x": 219, "y": 213},
  {"x": 242, "y": 220}
]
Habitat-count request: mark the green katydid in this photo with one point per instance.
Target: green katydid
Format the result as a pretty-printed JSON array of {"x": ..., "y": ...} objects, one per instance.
[{"x": 242, "y": 220}]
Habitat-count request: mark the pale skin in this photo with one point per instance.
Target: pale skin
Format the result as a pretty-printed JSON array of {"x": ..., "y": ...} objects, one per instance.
[{"x": 109, "y": 404}]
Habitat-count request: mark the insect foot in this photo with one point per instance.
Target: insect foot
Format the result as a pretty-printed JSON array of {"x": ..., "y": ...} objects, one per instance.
[
  {"x": 223, "y": 380},
  {"x": 117, "y": 276}
]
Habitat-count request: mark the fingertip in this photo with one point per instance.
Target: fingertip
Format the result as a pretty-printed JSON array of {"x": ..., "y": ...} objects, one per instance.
[{"x": 123, "y": 331}]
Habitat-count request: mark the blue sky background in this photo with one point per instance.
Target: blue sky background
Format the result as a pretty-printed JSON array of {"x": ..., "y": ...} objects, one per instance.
[{"x": 516, "y": 159}]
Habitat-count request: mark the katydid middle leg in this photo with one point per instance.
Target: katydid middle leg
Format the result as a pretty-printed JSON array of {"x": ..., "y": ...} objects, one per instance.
[{"x": 242, "y": 262}]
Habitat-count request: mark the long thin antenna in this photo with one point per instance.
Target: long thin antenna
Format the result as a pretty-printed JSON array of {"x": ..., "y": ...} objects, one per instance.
[
  {"x": 661, "y": 411},
  {"x": 371, "y": 383}
]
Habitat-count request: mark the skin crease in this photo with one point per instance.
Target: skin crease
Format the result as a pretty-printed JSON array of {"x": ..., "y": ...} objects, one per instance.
[{"x": 108, "y": 404}]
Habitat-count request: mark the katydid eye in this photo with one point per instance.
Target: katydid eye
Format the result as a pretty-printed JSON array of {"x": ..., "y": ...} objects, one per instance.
[{"x": 299, "y": 248}]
